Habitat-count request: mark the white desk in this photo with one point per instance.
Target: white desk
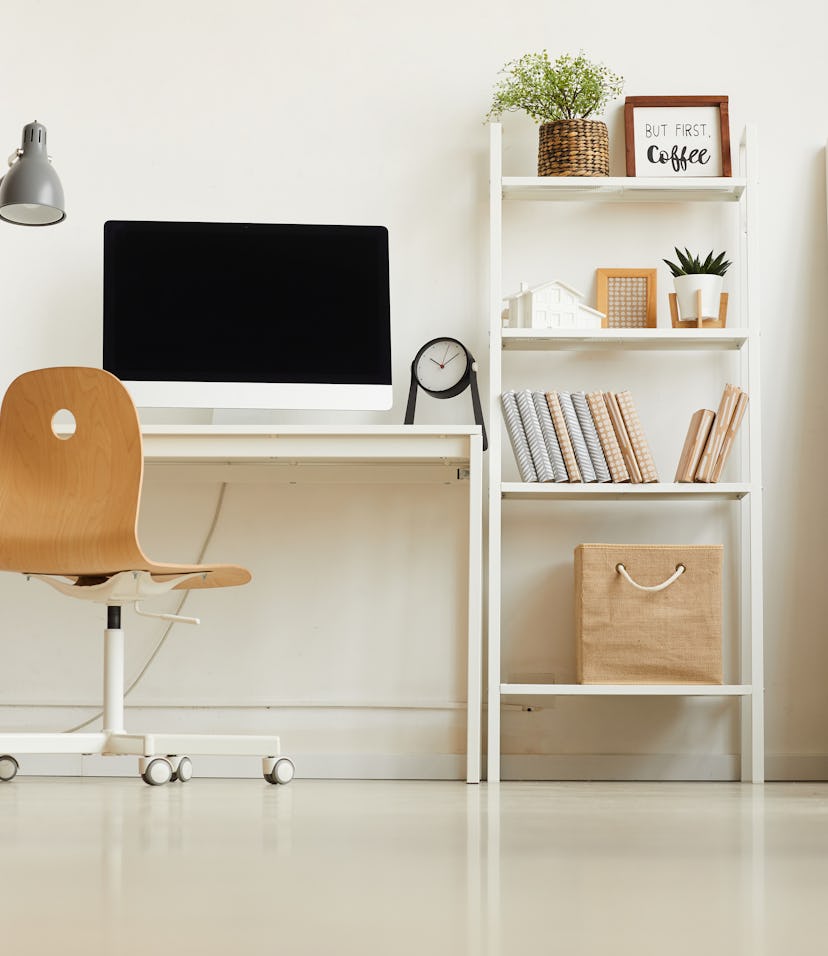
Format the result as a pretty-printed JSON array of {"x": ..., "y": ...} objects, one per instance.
[{"x": 439, "y": 453}]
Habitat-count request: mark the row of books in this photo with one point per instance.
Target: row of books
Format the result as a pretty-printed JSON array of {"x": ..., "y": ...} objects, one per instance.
[
  {"x": 577, "y": 437},
  {"x": 710, "y": 437}
]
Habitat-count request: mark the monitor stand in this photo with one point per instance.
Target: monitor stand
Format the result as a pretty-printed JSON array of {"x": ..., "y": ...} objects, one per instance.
[{"x": 243, "y": 416}]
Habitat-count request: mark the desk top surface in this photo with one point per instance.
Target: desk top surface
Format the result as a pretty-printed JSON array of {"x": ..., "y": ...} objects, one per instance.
[
  {"x": 275, "y": 430},
  {"x": 355, "y": 443}
]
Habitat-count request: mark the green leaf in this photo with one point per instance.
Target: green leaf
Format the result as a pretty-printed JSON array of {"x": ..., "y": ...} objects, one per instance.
[
  {"x": 693, "y": 265},
  {"x": 685, "y": 259},
  {"x": 571, "y": 87}
]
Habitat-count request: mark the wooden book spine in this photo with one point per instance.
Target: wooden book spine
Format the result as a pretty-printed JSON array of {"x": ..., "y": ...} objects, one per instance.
[
  {"x": 607, "y": 437},
  {"x": 697, "y": 435},
  {"x": 730, "y": 437},
  {"x": 623, "y": 438},
  {"x": 717, "y": 433},
  {"x": 637, "y": 439},
  {"x": 567, "y": 450}
]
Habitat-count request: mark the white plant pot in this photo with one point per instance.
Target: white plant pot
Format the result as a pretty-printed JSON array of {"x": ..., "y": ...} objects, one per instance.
[{"x": 686, "y": 292}]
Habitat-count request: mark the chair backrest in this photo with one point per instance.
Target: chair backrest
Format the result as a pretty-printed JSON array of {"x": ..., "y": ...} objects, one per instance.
[{"x": 69, "y": 504}]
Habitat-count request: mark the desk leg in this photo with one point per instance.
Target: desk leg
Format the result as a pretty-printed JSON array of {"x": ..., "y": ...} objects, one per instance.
[{"x": 474, "y": 707}]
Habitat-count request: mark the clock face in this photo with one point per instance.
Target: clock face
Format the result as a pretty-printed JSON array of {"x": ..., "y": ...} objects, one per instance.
[{"x": 441, "y": 365}]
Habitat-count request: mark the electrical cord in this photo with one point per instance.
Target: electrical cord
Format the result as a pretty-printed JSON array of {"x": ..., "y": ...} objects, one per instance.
[{"x": 137, "y": 680}]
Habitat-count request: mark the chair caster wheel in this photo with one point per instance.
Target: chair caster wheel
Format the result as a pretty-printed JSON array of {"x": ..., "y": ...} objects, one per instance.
[
  {"x": 157, "y": 772},
  {"x": 282, "y": 772},
  {"x": 8, "y": 768},
  {"x": 183, "y": 772}
]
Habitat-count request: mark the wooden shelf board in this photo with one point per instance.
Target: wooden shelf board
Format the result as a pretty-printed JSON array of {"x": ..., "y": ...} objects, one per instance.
[
  {"x": 626, "y": 690},
  {"x": 576, "y": 491},
  {"x": 622, "y": 189},
  {"x": 632, "y": 339}
]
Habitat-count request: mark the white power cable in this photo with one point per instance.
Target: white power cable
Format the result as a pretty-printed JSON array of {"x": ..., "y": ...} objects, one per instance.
[{"x": 137, "y": 680}]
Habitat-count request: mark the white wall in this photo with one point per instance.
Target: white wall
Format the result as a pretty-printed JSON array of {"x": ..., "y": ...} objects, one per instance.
[{"x": 371, "y": 112}]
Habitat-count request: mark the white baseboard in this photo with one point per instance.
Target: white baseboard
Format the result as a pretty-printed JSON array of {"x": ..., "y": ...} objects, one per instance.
[
  {"x": 620, "y": 767},
  {"x": 778, "y": 767},
  {"x": 320, "y": 766},
  {"x": 667, "y": 767}
]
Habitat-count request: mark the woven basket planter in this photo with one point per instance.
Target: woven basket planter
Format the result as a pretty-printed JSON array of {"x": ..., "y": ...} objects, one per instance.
[{"x": 575, "y": 147}]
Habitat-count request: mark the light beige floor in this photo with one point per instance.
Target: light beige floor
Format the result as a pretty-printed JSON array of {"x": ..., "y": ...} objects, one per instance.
[{"x": 111, "y": 866}]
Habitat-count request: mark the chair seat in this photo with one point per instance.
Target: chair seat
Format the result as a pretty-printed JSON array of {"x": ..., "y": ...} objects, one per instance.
[
  {"x": 205, "y": 575},
  {"x": 69, "y": 502}
]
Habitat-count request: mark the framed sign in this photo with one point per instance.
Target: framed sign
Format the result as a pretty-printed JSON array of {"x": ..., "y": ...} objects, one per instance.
[
  {"x": 677, "y": 136},
  {"x": 627, "y": 297}
]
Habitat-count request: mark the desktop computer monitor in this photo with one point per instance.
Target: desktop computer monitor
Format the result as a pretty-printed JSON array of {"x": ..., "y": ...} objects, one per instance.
[{"x": 248, "y": 315}]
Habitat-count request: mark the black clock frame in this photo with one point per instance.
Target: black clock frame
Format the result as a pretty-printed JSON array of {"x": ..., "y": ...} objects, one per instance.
[{"x": 469, "y": 380}]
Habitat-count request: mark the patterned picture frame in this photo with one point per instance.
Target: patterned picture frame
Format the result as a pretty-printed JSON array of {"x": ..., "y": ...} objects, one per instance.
[{"x": 627, "y": 298}]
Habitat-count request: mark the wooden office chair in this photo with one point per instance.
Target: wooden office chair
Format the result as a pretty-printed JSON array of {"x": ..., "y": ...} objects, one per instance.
[{"x": 68, "y": 517}]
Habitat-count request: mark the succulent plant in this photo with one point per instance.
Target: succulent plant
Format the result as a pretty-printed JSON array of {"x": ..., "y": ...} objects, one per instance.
[{"x": 692, "y": 265}]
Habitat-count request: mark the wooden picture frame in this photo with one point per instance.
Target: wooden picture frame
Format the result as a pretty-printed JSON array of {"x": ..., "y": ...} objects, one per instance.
[
  {"x": 677, "y": 136},
  {"x": 627, "y": 297}
]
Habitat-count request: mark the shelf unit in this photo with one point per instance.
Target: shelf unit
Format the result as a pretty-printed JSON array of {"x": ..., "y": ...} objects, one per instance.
[
  {"x": 539, "y": 340},
  {"x": 746, "y": 494},
  {"x": 621, "y": 189}
]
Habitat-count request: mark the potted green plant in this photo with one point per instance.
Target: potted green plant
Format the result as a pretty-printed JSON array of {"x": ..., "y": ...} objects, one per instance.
[
  {"x": 692, "y": 275},
  {"x": 563, "y": 97}
]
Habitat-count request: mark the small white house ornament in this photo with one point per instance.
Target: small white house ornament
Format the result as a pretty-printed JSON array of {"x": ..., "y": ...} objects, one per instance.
[{"x": 551, "y": 305}]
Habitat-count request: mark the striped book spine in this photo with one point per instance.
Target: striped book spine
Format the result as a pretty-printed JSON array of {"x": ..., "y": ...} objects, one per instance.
[
  {"x": 694, "y": 443},
  {"x": 606, "y": 434},
  {"x": 593, "y": 443},
  {"x": 730, "y": 396},
  {"x": 577, "y": 437},
  {"x": 617, "y": 420},
  {"x": 534, "y": 436},
  {"x": 567, "y": 451},
  {"x": 636, "y": 434},
  {"x": 517, "y": 437},
  {"x": 730, "y": 435},
  {"x": 550, "y": 437}
]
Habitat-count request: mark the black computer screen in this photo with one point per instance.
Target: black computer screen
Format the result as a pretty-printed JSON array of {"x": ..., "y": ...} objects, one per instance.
[{"x": 246, "y": 302}]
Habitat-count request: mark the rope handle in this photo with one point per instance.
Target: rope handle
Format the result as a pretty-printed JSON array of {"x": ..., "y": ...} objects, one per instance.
[{"x": 680, "y": 569}]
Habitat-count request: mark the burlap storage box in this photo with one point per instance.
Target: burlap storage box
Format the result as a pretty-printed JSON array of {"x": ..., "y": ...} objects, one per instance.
[{"x": 636, "y": 628}]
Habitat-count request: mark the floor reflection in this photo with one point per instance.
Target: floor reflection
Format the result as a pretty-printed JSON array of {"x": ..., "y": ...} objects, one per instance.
[{"x": 112, "y": 866}]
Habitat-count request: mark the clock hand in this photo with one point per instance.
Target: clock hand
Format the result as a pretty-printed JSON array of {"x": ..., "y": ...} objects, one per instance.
[
  {"x": 451, "y": 359},
  {"x": 435, "y": 361}
]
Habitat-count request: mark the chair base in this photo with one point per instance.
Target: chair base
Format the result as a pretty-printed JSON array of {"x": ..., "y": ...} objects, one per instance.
[
  {"x": 151, "y": 747},
  {"x": 160, "y": 755}
]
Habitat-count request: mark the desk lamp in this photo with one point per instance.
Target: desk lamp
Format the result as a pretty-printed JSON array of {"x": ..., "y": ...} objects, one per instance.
[{"x": 30, "y": 192}]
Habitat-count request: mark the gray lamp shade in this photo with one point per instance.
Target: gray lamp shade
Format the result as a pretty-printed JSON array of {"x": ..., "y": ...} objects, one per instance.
[{"x": 30, "y": 192}]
